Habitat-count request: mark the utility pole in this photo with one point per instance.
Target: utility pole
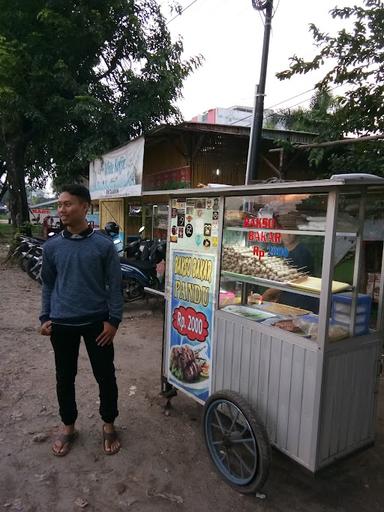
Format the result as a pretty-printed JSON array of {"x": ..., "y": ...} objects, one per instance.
[{"x": 254, "y": 151}]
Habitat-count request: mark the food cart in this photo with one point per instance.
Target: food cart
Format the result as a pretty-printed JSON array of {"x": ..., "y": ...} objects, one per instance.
[{"x": 272, "y": 322}]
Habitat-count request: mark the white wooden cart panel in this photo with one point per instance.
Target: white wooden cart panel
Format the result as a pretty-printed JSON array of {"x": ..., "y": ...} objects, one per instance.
[
  {"x": 349, "y": 397},
  {"x": 277, "y": 376},
  {"x": 281, "y": 378}
]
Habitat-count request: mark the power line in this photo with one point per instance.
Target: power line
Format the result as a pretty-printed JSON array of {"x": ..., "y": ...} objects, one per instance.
[
  {"x": 300, "y": 102},
  {"x": 181, "y": 12},
  {"x": 275, "y": 9},
  {"x": 292, "y": 98},
  {"x": 272, "y": 106},
  {"x": 284, "y": 101}
]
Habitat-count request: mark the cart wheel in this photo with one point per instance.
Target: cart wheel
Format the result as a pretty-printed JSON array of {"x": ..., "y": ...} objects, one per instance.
[{"x": 237, "y": 441}]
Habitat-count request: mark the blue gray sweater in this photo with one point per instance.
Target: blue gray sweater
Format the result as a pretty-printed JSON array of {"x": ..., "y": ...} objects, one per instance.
[{"x": 81, "y": 280}]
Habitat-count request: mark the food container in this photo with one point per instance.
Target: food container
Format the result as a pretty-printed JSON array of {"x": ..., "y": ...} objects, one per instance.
[{"x": 342, "y": 308}]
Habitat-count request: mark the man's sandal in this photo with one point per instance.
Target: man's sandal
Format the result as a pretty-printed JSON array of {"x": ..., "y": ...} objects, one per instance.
[
  {"x": 110, "y": 437},
  {"x": 66, "y": 441}
]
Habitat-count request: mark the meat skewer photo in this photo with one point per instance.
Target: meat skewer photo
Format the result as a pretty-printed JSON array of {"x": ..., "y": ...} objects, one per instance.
[{"x": 186, "y": 365}]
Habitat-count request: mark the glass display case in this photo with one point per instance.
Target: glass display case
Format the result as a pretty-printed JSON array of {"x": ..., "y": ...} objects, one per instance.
[{"x": 272, "y": 262}]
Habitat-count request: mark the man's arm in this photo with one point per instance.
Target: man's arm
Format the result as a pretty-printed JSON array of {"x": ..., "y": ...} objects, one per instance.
[
  {"x": 115, "y": 299},
  {"x": 271, "y": 295},
  {"x": 48, "y": 276},
  {"x": 114, "y": 282}
]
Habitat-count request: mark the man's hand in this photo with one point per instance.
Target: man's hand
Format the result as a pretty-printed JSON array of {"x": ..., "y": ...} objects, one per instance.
[
  {"x": 46, "y": 328},
  {"x": 271, "y": 295},
  {"x": 106, "y": 337}
]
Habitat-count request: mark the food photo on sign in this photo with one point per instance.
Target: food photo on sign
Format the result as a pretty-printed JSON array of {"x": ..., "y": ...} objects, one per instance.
[{"x": 189, "y": 364}]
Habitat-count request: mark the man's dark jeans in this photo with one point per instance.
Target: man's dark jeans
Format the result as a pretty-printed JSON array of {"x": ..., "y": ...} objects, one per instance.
[{"x": 66, "y": 342}]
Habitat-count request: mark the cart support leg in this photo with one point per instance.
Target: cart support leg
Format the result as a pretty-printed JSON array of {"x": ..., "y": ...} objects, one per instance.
[{"x": 168, "y": 392}]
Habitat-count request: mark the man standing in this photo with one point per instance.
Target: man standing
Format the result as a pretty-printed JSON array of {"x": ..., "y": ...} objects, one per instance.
[{"x": 81, "y": 297}]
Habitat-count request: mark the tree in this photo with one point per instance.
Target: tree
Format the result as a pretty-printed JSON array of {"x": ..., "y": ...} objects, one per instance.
[
  {"x": 359, "y": 56},
  {"x": 358, "y": 53},
  {"x": 315, "y": 119},
  {"x": 78, "y": 77}
]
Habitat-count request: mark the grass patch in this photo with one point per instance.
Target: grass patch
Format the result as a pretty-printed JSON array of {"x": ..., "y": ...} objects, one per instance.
[{"x": 7, "y": 232}]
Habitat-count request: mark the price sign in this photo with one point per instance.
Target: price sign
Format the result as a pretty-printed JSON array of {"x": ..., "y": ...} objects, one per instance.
[{"x": 190, "y": 323}]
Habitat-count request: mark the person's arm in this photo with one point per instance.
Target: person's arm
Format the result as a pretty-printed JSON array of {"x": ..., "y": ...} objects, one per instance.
[
  {"x": 48, "y": 277},
  {"x": 114, "y": 282},
  {"x": 115, "y": 298},
  {"x": 271, "y": 295}
]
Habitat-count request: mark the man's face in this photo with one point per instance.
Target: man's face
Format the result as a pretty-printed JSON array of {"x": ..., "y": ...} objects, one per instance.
[
  {"x": 288, "y": 239},
  {"x": 72, "y": 210}
]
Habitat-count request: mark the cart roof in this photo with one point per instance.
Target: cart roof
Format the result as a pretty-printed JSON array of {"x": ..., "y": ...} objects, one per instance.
[{"x": 350, "y": 181}]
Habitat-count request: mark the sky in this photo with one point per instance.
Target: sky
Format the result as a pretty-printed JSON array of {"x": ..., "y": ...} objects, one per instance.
[{"x": 229, "y": 34}]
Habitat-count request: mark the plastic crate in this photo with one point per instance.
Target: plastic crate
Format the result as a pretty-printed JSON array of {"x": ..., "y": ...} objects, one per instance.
[{"x": 342, "y": 306}]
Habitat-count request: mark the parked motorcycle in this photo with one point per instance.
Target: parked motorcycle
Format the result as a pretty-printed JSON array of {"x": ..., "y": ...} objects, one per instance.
[
  {"x": 140, "y": 274},
  {"x": 25, "y": 249},
  {"x": 34, "y": 264},
  {"x": 29, "y": 254},
  {"x": 138, "y": 265}
]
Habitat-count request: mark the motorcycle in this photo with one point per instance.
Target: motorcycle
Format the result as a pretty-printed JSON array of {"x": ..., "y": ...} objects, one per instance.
[
  {"x": 25, "y": 249},
  {"x": 138, "y": 267},
  {"x": 34, "y": 264},
  {"x": 140, "y": 274},
  {"x": 29, "y": 253}
]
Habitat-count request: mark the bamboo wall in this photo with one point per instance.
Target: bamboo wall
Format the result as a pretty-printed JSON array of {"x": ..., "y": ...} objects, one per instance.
[{"x": 208, "y": 151}]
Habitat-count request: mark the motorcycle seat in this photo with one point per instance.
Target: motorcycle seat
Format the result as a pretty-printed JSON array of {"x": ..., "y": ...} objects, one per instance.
[{"x": 141, "y": 265}]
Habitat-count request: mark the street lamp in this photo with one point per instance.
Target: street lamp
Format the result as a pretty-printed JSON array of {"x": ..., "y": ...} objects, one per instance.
[{"x": 254, "y": 151}]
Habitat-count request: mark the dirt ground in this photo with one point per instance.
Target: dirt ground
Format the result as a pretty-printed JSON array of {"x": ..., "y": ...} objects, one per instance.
[{"x": 163, "y": 465}]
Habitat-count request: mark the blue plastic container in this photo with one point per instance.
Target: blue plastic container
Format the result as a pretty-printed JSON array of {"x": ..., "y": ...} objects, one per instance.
[{"x": 341, "y": 311}]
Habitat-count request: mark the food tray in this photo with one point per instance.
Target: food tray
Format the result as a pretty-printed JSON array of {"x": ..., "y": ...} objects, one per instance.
[
  {"x": 273, "y": 321},
  {"x": 247, "y": 312},
  {"x": 313, "y": 284},
  {"x": 283, "y": 309}
]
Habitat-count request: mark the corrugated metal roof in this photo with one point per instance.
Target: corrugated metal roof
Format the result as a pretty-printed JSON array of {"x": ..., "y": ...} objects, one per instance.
[
  {"x": 355, "y": 182},
  {"x": 241, "y": 131}
]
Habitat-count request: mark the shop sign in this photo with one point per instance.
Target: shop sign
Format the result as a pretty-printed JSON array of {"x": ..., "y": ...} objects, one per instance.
[
  {"x": 118, "y": 173},
  {"x": 265, "y": 237},
  {"x": 169, "y": 179}
]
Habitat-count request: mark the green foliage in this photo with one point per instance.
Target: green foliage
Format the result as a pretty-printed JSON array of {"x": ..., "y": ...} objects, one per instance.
[
  {"x": 358, "y": 56},
  {"x": 78, "y": 77},
  {"x": 315, "y": 119}
]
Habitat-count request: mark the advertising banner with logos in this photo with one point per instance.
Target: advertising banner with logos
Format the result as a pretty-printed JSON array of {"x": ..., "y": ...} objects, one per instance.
[
  {"x": 118, "y": 173},
  {"x": 193, "y": 233}
]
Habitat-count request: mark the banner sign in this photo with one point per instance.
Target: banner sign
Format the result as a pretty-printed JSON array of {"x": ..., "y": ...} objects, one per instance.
[
  {"x": 169, "y": 180},
  {"x": 118, "y": 173},
  {"x": 191, "y": 324}
]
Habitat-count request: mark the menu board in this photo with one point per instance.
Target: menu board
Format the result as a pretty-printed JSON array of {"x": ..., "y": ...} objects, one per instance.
[
  {"x": 193, "y": 236},
  {"x": 191, "y": 322}
]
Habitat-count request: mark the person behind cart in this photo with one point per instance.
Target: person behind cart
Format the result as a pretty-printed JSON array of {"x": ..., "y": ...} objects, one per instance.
[{"x": 299, "y": 256}]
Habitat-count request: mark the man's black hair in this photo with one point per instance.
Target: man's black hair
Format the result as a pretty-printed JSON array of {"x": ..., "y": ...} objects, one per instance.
[{"x": 77, "y": 190}]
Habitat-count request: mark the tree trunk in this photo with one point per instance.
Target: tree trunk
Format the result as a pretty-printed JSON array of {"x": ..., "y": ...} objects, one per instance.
[
  {"x": 3, "y": 190},
  {"x": 18, "y": 203}
]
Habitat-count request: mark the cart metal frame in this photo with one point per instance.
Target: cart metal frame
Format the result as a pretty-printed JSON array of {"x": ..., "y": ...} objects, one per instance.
[{"x": 316, "y": 400}]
